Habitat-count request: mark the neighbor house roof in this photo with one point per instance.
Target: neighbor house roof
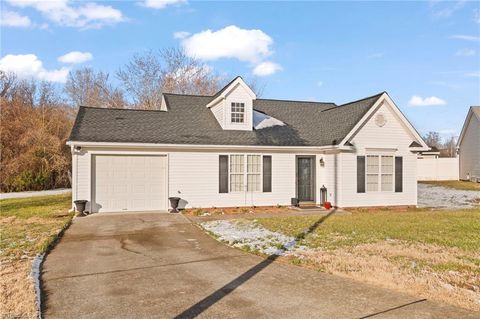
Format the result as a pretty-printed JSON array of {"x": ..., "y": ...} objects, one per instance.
[{"x": 188, "y": 121}]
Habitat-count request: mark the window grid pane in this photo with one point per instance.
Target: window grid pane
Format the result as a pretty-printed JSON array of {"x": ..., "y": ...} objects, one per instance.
[
  {"x": 238, "y": 112},
  {"x": 387, "y": 173}
]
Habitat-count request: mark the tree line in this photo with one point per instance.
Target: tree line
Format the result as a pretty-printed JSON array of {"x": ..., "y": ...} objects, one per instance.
[{"x": 36, "y": 117}]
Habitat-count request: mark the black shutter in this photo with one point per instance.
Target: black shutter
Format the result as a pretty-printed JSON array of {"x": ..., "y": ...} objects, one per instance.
[
  {"x": 223, "y": 174},
  {"x": 360, "y": 174},
  {"x": 267, "y": 173},
  {"x": 398, "y": 174}
]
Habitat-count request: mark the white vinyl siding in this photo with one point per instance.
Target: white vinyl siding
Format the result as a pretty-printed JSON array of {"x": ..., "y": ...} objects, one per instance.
[
  {"x": 469, "y": 151},
  {"x": 392, "y": 139},
  {"x": 198, "y": 184}
]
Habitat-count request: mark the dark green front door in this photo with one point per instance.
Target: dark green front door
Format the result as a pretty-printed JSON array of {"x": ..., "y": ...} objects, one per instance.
[{"x": 305, "y": 178}]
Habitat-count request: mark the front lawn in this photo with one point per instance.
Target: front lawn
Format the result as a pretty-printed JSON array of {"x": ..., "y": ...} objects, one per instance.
[
  {"x": 433, "y": 254},
  {"x": 28, "y": 227},
  {"x": 460, "y": 185}
]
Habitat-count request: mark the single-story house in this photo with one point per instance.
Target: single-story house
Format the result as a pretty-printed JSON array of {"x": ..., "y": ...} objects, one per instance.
[
  {"x": 234, "y": 149},
  {"x": 468, "y": 146}
]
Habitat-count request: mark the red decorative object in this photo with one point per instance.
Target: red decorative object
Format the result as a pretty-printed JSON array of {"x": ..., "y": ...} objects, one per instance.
[{"x": 327, "y": 205}]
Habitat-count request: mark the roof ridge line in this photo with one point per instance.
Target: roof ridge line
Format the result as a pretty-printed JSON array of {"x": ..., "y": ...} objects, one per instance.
[
  {"x": 365, "y": 98},
  {"x": 296, "y": 101},
  {"x": 117, "y": 108},
  {"x": 180, "y": 94}
]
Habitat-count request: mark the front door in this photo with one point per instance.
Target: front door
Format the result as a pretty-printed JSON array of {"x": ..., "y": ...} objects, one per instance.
[{"x": 305, "y": 178}]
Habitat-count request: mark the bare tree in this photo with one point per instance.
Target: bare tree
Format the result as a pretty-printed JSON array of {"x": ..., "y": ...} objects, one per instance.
[
  {"x": 142, "y": 78},
  {"x": 7, "y": 80},
  {"x": 149, "y": 75},
  {"x": 450, "y": 146},
  {"x": 90, "y": 88},
  {"x": 433, "y": 139}
]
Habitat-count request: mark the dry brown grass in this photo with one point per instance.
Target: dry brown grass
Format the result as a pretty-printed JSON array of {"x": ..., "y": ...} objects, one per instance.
[
  {"x": 438, "y": 273},
  {"x": 16, "y": 289},
  {"x": 28, "y": 227}
]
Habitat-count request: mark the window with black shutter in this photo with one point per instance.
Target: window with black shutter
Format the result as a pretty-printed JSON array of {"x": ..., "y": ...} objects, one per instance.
[
  {"x": 360, "y": 174},
  {"x": 223, "y": 174},
  {"x": 267, "y": 173},
  {"x": 398, "y": 174}
]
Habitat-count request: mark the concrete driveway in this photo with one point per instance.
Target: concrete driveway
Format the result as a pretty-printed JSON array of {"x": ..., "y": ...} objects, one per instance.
[{"x": 156, "y": 265}]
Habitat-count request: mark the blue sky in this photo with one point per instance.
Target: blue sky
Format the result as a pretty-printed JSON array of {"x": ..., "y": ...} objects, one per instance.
[{"x": 426, "y": 55}]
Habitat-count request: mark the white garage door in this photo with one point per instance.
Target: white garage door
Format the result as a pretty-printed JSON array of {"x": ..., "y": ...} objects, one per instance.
[{"x": 129, "y": 183}]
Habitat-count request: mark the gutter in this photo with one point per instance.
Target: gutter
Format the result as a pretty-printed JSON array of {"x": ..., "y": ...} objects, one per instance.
[{"x": 74, "y": 144}]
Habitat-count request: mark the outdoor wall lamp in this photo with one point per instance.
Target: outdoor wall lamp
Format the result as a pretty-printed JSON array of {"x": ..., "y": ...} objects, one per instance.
[{"x": 322, "y": 162}]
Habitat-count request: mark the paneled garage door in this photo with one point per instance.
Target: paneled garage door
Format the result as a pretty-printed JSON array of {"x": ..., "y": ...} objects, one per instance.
[{"x": 129, "y": 183}]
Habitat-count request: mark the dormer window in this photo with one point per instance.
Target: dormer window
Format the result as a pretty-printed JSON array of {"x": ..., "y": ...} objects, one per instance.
[{"x": 238, "y": 112}]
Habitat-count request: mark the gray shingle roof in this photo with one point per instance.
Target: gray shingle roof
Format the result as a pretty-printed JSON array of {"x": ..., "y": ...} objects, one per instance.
[{"x": 189, "y": 121}]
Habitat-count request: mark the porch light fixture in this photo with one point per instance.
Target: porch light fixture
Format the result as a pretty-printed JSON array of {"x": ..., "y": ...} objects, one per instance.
[{"x": 322, "y": 162}]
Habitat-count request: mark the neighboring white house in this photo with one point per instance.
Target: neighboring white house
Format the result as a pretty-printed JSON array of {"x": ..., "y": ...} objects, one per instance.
[
  {"x": 468, "y": 146},
  {"x": 233, "y": 149}
]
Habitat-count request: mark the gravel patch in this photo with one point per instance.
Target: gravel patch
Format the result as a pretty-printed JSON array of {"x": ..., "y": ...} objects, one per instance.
[
  {"x": 447, "y": 198},
  {"x": 248, "y": 234}
]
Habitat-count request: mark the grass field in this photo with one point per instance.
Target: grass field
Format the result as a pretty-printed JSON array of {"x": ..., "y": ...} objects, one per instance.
[
  {"x": 461, "y": 185},
  {"x": 29, "y": 226},
  {"x": 434, "y": 254}
]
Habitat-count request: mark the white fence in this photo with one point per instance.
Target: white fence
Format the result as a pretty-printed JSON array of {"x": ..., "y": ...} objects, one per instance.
[{"x": 438, "y": 169}]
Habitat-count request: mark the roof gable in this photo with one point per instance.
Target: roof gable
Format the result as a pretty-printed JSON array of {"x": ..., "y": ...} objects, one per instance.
[
  {"x": 472, "y": 111},
  {"x": 238, "y": 81}
]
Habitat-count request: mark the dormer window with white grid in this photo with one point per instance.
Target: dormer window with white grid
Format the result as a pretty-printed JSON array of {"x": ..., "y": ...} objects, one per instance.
[{"x": 238, "y": 112}]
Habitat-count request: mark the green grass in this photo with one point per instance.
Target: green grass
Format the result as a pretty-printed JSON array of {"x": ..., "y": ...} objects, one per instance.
[
  {"x": 30, "y": 225},
  {"x": 460, "y": 229},
  {"x": 461, "y": 185}
]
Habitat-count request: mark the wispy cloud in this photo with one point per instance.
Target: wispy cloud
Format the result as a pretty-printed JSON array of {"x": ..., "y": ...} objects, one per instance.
[
  {"x": 476, "y": 15},
  {"x": 473, "y": 74},
  {"x": 445, "y": 9},
  {"x": 62, "y": 12},
  {"x": 161, "y": 4},
  {"x": 319, "y": 83},
  {"x": 376, "y": 55},
  {"x": 427, "y": 101},
  {"x": 446, "y": 84},
  {"x": 13, "y": 19},
  {"x": 465, "y": 52},
  {"x": 465, "y": 37}
]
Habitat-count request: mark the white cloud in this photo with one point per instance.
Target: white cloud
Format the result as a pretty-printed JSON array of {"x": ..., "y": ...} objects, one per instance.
[
  {"x": 29, "y": 66},
  {"x": 13, "y": 19},
  {"x": 465, "y": 37},
  {"x": 476, "y": 15},
  {"x": 465, "y": 52},
  {"x": 319, "y": 83},
  {"x": 428, "y": 101},
  {"x": 267, "y": 68},
  {"x": 445, "y": 9},
  {"x": 75, "y": 57},
  {"x": 181, "y": 35},
  {"x": 161, "y": 4},
  {"x": 229, "y": 42},
  {"x": 89, "y": 15}
]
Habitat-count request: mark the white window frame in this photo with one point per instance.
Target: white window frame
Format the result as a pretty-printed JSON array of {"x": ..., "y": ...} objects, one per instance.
[
  {"x": 246, "y": 173},
  {"x": 237, "y": 113},
  {"x": 380, "y": 173}
]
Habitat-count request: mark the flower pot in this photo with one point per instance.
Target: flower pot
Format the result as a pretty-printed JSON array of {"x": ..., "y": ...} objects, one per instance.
[
  {"x": 80, "y": 206},
  {"x": 174, "y": 204}
]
